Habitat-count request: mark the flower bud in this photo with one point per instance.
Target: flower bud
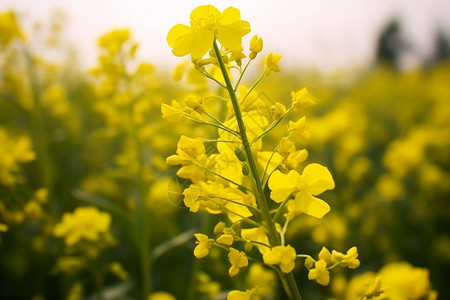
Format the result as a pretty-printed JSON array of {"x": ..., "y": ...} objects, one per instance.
[
  {"x": 245, "y": 169},
  {"x": 193, "y": 102},
  {"x": 174, "y": 160},
  {"x": 278, "y": 110},
  {"x": 240, "y": 154},
  {"x": 302, "y": 99},
  {"x": 218, "y": 229},
  {"x": 256, "y": 45}
]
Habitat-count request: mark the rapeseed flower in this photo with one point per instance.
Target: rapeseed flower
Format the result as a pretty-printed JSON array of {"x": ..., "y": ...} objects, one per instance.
[
  {"x": 299, "y": 130},
  {"x": 85, "y": 223},
  {"x": 238, "y": 260},
  {"x": 302, "y": 99},
  {"x": 9, "y": 28},
  {"x": 256, "y": 45},
  {"x": 208, "y": 24},
  {"x": 271, "y": 62},
  {"x": 284, "y": 256},
  {"x": 204, "y": 244},
  {"x": 320, "y": 273},
  {"x": 349, "y": 259},
  {"x": 161, "y": 296},
  {"x": 314, "y": 180}
]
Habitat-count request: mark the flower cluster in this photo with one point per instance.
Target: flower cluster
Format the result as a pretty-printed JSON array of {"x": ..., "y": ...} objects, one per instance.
[
  {"x": 319, "y": 269},
  {"x": 229, "y": 175},
  {"x": 84, "y": 224}
]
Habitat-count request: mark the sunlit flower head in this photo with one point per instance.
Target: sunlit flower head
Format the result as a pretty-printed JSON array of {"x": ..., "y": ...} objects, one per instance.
[
  {"x": 284, "y": 256},
  {"x": 208, "y": 24}
]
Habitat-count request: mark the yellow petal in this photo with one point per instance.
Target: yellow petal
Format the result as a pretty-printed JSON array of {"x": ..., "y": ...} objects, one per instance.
[
  {"x": 230, "y": 15},
  {"x": 196, "y": 43},
  {"x": 230, "y": 36},
  {"x": 311, "y": 205},
  {"x": 176, "y": 32},
  {"x": 204, "y": 13},
  {"x": 282, "y": 185},
  {"x": 318, "y": 179}
]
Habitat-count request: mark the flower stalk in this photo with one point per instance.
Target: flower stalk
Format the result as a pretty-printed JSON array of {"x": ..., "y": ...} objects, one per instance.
[{"x": 274, "y": 239}]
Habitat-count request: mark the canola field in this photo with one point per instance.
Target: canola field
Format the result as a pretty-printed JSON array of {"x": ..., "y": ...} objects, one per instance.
[{"x": 226, "y": 178}]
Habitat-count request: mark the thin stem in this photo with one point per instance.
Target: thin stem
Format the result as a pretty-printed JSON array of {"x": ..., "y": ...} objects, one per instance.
[
  {"x": 268, "y": 165},
  {"x": 283, "y": 232},
  {"x": 213, "y": 79},
  {"x": 211, "y": 124},
  {"x": 242, "y": 74},
  {"x": 254, "y": 85},
  {"x": 274, "y": 239},
  {"x": 271, "y": 126},
  {"x": 280, "y": 208},
  {"x": 223, "y": 177}
]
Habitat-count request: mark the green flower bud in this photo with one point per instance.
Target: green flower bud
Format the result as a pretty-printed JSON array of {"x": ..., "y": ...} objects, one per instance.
[
  {"x": 240, "y": 154},
  {"x": 245, "y": 169}
]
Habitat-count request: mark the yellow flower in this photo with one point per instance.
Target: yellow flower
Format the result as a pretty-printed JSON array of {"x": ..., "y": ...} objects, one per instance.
[
  {"x": 193, "y": 102},
  {"x": 161, "y": 296},
  {"x": 258, "y": 235},
  {"x": 13, "y": 151},
  {"x": 291, "y": 156},
  {"x": 271, "y": 62},
  {"x": 225, "y": 239},
  {"x": 85, "y": 223},
  {"x": 299, "y": 130},
  {"x": 302, "y": 99},
  {"x": 284, "y": 256},
  {"x": 188, "y": 150},
  {"x": 314, "y": 180},
  {"x": 277, "y": 110},
  {"x": 320, "y": 273},
  {"x": 239, "y": 295},
  {"x": 256, "y": 45},
  {"x": 114, "y": 40},
  {"x": 325, "y": 255},
  {"x": 204, "y": 244},
  {"x": 9, "y": 28},
  {"x": 238, "y": 260},
  {"x": 349, "y": 259},
  {"x": 172, "y": 113},
  {"x": 208, "y": 24}
]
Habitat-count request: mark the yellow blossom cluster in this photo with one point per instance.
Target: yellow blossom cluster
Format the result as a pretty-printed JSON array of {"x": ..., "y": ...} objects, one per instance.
[{"x": 84, "y": 224}]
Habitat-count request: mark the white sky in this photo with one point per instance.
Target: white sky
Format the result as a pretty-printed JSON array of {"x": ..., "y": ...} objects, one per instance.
[{"x": 325, "y": 34}]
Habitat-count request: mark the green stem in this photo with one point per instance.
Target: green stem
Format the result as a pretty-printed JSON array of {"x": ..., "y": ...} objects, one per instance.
[
  {"x": 274, "y": 239},
  {"x": 242, "y": 74},
  {"x": 254, "y": 85}
]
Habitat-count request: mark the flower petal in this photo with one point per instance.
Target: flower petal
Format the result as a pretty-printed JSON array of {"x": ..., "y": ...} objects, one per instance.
[
  {"x": 204, "y": 13},
  {"x": 318, "y": 179},
  {"x": 230, "y": 15},
  {"x": 311, "y": 205},
  {"x": 196, "y": 43},
  {"x": 282, "y": 185},
  {"x": 176, "y": 32},
  {"x": 230, "y": 36}
]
